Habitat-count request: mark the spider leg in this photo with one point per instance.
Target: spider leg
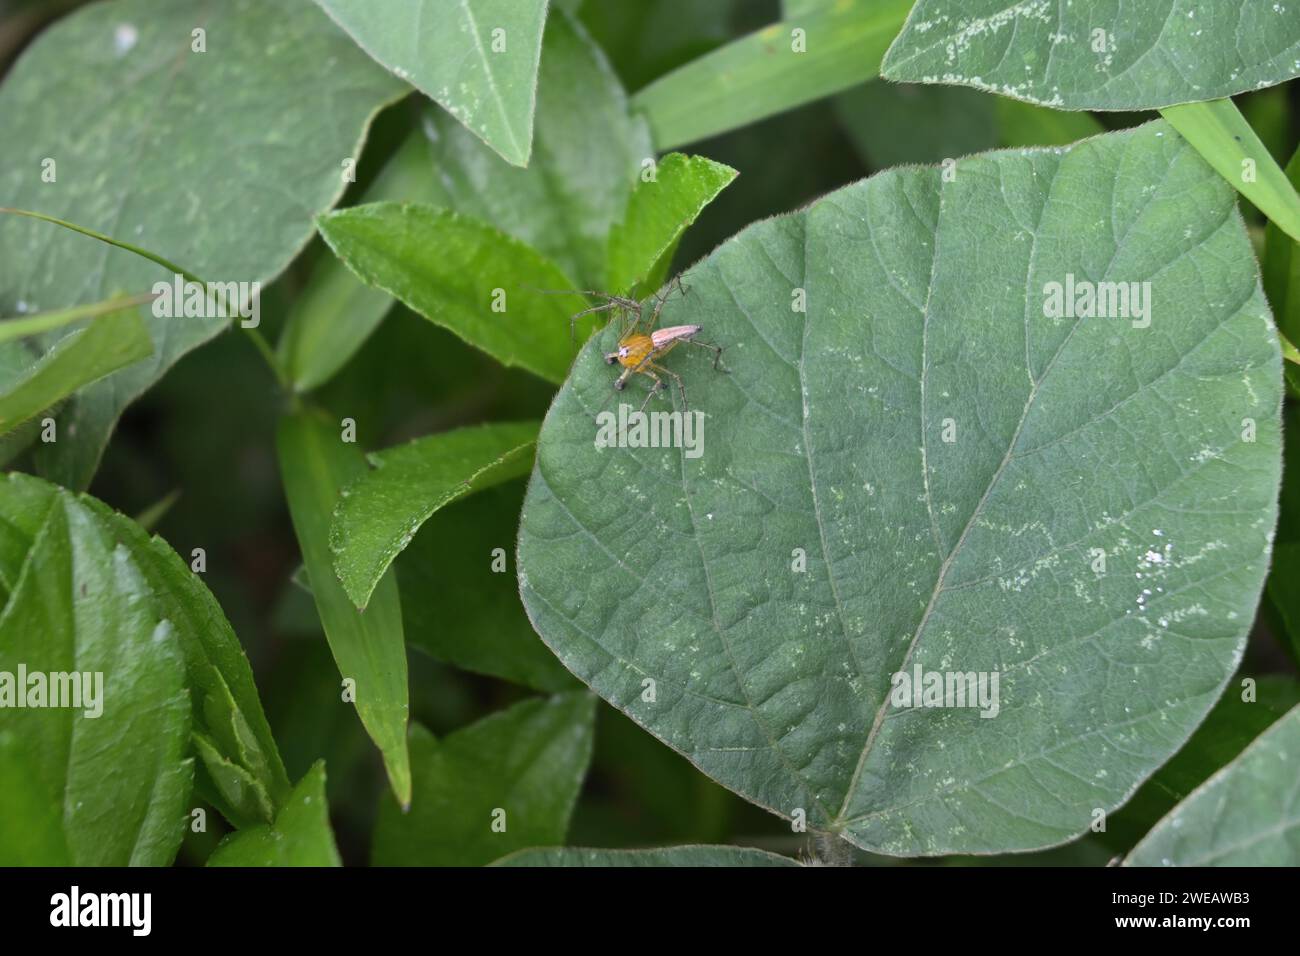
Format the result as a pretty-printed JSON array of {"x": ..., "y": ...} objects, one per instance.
[
  {"x": 631, "y": 319},
  {"x": 681, "y": 387},
  {"x": 621, "y": 300},
  {"x": 573, "y": 319},
  {"x": 658, "y": 384},
  {"x": 659, "y": 307},
  {"x": 715, "y": 349},
  {"x": 620, "y": 383}
]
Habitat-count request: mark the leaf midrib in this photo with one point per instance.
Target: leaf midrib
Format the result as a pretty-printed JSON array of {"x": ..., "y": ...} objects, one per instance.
[{"x": 491, "y": 80}]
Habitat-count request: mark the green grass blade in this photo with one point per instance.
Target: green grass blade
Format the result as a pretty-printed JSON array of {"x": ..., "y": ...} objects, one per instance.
[
  {"x": 84, "y": 356},
  {"x": 762, "y": 74},
  {"x": 1024, "y": 124},
  {"x": 1227, "y": 142},
  {"x": 11, "y": 329},
  {"x": 369, "y": 648}
]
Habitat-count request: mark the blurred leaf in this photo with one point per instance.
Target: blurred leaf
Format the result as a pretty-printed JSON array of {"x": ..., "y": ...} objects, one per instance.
[
  {"x": 1283, "y": 593},
  {"x": 1024, "y": 124},
  {"x": 1281, "y": 590},
  {"x": 1282, "y": 272},
  {"x": 1222, "y": 136},
  {"x": 379, "y": 512},
  {"x": 335, "y": 312},
  {"x": 589, "y": 149},
  {"x": 764, "y": 73},
  {"x": 643, "y": 793},
  {"x": 149, "y": 518},
  {"x": 1247, "y": 814},
  {"x": 476, "y": 59},
  {"x": 312, "y": 723},
  {"x": 453, "y": 270},
  {"x": 642, "y": 563},
  {"x": 83, "y": 356},
  {"x": 882, "y": 121},
  {"x": 458, "y": 608},
  {"x": 1269, "y": 114},
  {"x": 1229, "y": 728},
  {"x": 369, "y": 648},
  {"x": 658, "y": 212},
  {"x": 98, "y": 92},
  {"x": 646, "y": 39},
  {"x": 1155, "y": 54},
  {"x": 520, "y": 769},
  {"x": 433, "y": 381},
  {"x": 691, "y": 856},
  {"x": 300, "y": 835},
  {"x": 792, "y": 9},
  {"x": 107, "y": 779}
]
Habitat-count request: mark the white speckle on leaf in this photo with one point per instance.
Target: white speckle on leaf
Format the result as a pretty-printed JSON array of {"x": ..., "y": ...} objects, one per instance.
[{"x": 124, "y": 38}]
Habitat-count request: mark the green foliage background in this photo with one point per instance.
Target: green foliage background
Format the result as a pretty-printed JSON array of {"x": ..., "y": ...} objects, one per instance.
[{"x": 206, "y": 434}]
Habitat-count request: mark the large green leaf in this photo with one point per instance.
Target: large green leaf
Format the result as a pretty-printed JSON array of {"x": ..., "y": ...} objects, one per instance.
[
  {"x": 500, "y": 785},
  {"x": 828, "y": 443},
  {"x": 477, "y": 58},
  {"x": 1248, "y": 814},
  {"x": 379, "y": 513},
  {"x": 589, "y": 150},
  {"x": 692, "y": 856},
  {"x": 774, "y": 69},
  {"x": 104, "y": 774},
  {"x": 300, "y": 835},
  {"x": 79, "y": 358},
  {"x": 461, "y": 604},
  {"x": 1096, "y": 54},
  {"x": 218, "y": 160},
  {"x": 315, "y": 465}
]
